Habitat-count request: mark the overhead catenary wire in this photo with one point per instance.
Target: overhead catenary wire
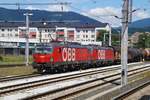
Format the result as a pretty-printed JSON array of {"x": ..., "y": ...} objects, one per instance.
[{"x": 36, "y": 4}]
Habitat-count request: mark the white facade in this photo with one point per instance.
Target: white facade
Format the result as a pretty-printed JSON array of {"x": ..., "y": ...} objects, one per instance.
[
  {"x": 37, "y": 35},
  {"x": 86, "y": 34}
]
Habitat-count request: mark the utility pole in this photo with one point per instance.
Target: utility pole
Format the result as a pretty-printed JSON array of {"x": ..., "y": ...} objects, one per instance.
[
  {"x": 124, "y": 39},
  {"x": 27, "y": 38},
  {"x": 110, "y": 36}
]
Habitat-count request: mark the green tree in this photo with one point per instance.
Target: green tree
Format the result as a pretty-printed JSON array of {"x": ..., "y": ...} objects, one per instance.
[
  {"x": 100, "y": 35},
  {"x": 144, "y": 41},
  {"x": 115, "y": 39}
]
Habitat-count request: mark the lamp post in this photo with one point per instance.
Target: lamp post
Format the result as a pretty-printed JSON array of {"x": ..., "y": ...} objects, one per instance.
[
  {"x": 27, "y": 38},
  {"x": 104, "y": 39}
]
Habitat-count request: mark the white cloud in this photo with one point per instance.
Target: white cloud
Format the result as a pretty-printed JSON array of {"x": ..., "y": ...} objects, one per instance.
[
  {"x": 32, "y": 8},
  {"x": 106, "y": 15},
  {"x": 106, "y": 11},
  {"x": 141, "y": 14},
  {"x": 57, "y": 8},
  {"x": 50, "y": 8}
]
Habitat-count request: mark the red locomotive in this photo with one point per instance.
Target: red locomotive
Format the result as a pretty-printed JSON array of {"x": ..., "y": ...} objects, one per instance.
[
  {"x": 65, "y": 56},
  {"x": 61, "y": 56}
]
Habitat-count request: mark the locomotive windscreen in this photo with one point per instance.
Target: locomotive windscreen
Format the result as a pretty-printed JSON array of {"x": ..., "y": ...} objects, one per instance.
[{"x": 43, "y": 49}]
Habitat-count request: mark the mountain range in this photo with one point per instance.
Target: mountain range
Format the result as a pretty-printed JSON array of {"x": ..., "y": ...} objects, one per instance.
[
  {"x": 43, "y": 15},
  {"x": 142, "y": 25}
]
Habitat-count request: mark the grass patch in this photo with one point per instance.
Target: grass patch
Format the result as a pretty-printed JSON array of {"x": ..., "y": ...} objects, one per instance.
[
  {"x": 11, "y": 59},
  {"x": 139, "y": 77},
  {"x": 18, "y": 70}
]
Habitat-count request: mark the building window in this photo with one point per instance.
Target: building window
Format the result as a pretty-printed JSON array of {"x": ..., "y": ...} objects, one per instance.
[
  {"x": 34, "y": 36},
  {"x": 9, "y": 30},
  {"x": 16, "y": 29},
  {"x": 16, "y": 35},
  {"x": 78, "y": 31},
  {"x": 78, "y": 36},
  {"x": 61, "y": 35},
  {"x": 45, "y": 30},
  {"x": 92, "y": 31},
  {"x": 86, "y": 31},
  {"x": 3, "y": 35},
  {"x": 10, "y": 35},
  {"x": 83, "y": 36},
  {"x": 86, "y": 36},
  {"x": 3, "y": 29},
  {"x": 92, "y": 36}
]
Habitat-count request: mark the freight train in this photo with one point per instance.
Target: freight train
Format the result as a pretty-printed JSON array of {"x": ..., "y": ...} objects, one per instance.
[
  {"x": 146, "y": 54},
  {"x": 67, "y": 56}
]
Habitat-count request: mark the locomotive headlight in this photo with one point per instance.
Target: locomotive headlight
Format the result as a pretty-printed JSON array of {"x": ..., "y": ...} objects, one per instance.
[{"x": 51, "y": 59}]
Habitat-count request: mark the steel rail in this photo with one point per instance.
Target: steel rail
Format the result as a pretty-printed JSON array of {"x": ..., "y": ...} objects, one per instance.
[
  {"x": 48, "y": 81},
  {"x": 131, "y": 91},
  {"x": 16, "y": 77},
  {"x": 59, "y": 76},
  {"x": 13, "y": 77},
  {"x": 117, "y": 74},
  {"x": 98, "y": 90},
  {"x": 70, "y": 91},
  {"x": 14, "y": 87}
]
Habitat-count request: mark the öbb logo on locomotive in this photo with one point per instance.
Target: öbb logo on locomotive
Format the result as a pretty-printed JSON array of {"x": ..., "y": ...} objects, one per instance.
[
  {"x": 68, "y": 54},
  {"x": 101, "y": 54}
]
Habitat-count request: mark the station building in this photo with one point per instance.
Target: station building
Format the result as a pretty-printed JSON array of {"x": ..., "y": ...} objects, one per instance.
[{"x": 65, "y": 26}]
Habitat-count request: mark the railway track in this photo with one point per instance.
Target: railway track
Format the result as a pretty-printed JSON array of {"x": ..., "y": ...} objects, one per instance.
[
  {"x": 102, "y": 85},
  {"x": 47, "y": 80},
  {"x": 58, "y": 83},
  {"x": 10, "y": 78},
  {"x": 104, "y": 91},
  {"x": 19, "y": 80},
  {"x": 131, "y": 91}
]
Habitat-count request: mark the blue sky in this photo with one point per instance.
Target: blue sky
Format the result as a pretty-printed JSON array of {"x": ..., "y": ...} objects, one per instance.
[{"x": 98, "y": 9}]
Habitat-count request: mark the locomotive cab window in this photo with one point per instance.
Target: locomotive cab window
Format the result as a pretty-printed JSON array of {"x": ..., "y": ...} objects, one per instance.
[{"x": 44, "y": 50}]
